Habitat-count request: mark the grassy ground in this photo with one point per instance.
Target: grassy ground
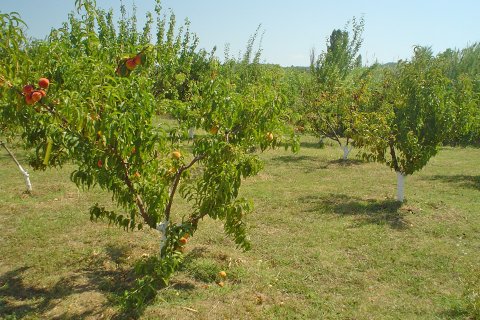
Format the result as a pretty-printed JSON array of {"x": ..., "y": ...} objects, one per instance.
[{"x": 329, "y": 242}]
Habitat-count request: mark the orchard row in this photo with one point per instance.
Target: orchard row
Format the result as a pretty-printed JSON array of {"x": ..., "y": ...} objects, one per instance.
[{"x": 106, "y": 115}]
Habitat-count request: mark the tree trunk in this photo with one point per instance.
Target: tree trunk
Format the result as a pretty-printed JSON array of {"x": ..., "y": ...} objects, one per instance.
[
  {"x": 400, "y": 186},
  {"x": 346, "y": 152},
  {"x": 191, "y": 133},
  {"x": 162, "y": 228},
  {"x": 26, "y": 176}
]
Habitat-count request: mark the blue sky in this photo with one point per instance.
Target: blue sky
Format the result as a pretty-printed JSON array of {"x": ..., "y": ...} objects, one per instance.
[{"x": 293, "y": 28}]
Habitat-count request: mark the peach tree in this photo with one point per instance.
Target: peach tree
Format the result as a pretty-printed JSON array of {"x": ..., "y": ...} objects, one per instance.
[
  {"x": 334, "y": 91},
  {"x": 407, "y": 116},
  {"x": 102, "y": 111}
]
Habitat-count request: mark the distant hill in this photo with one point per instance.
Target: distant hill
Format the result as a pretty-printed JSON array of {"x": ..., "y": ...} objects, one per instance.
[
  {"x": 297, "y": 68},
  {"x": 389, "y": 64}
]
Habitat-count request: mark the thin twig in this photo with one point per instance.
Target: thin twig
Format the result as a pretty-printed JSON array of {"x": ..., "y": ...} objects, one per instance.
[
  {"x": 189, "y": 309},
  {"x": 138, "y": 198}
]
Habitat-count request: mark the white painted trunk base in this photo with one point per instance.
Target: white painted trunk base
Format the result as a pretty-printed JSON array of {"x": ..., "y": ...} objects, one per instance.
[
  {"x": 162, "y": 228},
  {"x": 400, "y": 186},
  {"x": 346, "y": 152},
  {"x": 191, "y": 133},
  {"x": 26, "y": 176}
]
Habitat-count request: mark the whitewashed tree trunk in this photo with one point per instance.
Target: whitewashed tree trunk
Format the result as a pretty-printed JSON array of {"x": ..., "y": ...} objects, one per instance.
[
  {"x": 26, "y": 176},
  {"x": 346, "y": 152},
  {"x": 162, "y": 228},
  {"x": 191, "y": 133},
  {"x": 400, "y": 186}
]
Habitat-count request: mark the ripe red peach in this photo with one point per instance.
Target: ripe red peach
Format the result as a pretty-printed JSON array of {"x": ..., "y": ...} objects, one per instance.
[{"x": 44, "y": 83}]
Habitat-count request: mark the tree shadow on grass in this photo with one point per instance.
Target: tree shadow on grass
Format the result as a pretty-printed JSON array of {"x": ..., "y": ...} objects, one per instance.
[
  {"x": 21, "y": 300},
  {"x": 462, "y": 180},
  {"x": 117, "y": 254},
  {"x": 312, "y": 145},
  {"x": 306, "y": 163},
  {"x": 311, "y": 163},
  {"x": 295, "y": 159},
  {"x": 346, "y": 163},
  {"x": 194, "y": 254},
  {"x": 366, "y": 211},
  {"x": 458, "y": 312},
  {"x": 101, "y": 279},
  {"x": 13, "y": 288}
]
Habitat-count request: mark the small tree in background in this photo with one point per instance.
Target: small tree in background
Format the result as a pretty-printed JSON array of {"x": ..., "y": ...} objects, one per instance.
[{"x": 328, "y": 109}]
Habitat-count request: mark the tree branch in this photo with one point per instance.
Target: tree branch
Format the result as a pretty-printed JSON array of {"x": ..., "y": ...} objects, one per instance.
[
  {"x": 335, "y": 137},
  {"x": 138, "y": 199},
  {"x": 67, "y": 126},
  {"x": 176, "y": 182},
  {"x": 394, "y": 156}
]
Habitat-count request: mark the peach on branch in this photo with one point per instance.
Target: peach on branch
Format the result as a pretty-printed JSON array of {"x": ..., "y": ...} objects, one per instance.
[
  {"x": 27, "y": 89},
  {"x": 44, "y": 83},
  {"x": 36, "y": 96},
  {"x": 130, "y": 63},
  {"x": 29, "y": 100},
  {"x": 138, "y": 59}
]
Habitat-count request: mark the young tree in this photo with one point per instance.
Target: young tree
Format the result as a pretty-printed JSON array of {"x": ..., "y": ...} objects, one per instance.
[
  {"x": 99, "y": 112},
  {"x": 329, "y": 106},
  {"x": 407, "y": 118},
  {"x": 341, "y": 57}
]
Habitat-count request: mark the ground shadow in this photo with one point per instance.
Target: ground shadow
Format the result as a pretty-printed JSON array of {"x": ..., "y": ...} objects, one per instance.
[
  {"x": 13, "y": 288},
  {"x": 346, "y": 163},
  {"x": 457, "y": 312},
  {"x": 117, "y": 254},
  {"x": 312, "y": 163},
  {"x": 19, "y": 299},
  {"x": 194, "y": 254},
  {"x": 367, "y": 211},
  {"x": 312, "y": 144},
  {"x": 462, "y": 180},
  {"x": 304, "y": 163},
  {"x": 295, "y": 159}
]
